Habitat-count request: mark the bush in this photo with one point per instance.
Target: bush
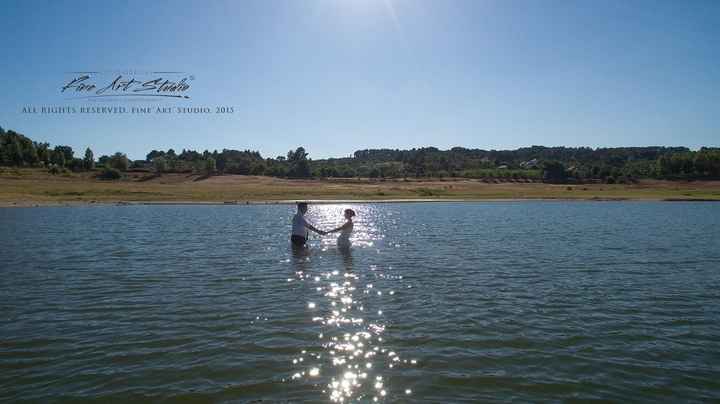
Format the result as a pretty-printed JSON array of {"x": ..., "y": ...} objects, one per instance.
[{"x": 109, "y": 173}]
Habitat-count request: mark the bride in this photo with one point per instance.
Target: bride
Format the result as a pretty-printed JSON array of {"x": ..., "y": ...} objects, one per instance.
[{"x": 345, "y": 230}]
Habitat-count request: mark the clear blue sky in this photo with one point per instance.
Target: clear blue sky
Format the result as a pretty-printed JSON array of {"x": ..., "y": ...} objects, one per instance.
[{"x": 340, "y": 75}]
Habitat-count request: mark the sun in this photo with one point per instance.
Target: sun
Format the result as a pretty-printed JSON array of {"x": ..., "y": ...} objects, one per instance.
[{"x": 359, "y": 10}]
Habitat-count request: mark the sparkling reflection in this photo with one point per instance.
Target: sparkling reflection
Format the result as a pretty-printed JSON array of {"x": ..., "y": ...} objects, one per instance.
[{"x": 352, "y": 362}]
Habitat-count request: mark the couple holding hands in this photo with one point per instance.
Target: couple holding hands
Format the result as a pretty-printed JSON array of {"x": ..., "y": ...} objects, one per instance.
[{"x": 300, "y": 226}]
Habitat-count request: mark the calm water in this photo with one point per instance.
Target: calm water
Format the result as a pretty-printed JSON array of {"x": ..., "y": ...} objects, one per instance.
[{"x": 527, "y": 301}]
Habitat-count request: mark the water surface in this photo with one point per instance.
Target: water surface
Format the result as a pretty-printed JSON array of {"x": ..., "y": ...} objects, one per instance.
[{"x": 434, "y": 302}]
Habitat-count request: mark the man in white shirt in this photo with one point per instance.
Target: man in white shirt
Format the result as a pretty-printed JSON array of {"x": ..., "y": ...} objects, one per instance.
[{"x": 300, "y": 226}]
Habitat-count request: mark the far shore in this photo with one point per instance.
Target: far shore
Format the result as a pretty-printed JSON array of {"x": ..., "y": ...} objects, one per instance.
[
  {"x": 34, "y": 187},
  {"x": 27, "y": 204}
]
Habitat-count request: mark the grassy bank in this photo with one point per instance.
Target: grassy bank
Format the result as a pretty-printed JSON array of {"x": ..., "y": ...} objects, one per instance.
[{"x": 25, "y": 187}]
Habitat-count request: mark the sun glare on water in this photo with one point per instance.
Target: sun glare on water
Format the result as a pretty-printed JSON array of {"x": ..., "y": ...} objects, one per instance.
[{"x": 350, "y": 360}]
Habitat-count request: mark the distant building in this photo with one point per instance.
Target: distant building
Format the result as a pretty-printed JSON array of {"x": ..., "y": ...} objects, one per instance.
[{"x": 534, "y": 163}]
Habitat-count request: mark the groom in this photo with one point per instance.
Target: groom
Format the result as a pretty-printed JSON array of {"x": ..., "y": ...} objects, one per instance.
[{"x": 300, "y": 226}]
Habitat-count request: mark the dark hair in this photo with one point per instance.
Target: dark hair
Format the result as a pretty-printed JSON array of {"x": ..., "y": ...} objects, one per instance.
[
  {"x": 302, "y": 205},
  {"x": 350, "y": 212}
]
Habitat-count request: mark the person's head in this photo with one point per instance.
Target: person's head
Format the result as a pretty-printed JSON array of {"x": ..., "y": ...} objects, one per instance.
[
  {"x": 349, "y": 213},
  {"x": 302, "y": 207}
]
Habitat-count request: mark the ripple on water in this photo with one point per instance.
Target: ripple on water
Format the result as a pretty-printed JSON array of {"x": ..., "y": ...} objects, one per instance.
[{"x": 431, "y": 303}]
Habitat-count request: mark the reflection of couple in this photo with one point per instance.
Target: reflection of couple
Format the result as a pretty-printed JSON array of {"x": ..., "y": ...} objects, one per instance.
[{"x": 300, "y": 227}]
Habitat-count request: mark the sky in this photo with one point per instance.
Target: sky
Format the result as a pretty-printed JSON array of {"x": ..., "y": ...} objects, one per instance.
[{"x": 337, "y": 76}]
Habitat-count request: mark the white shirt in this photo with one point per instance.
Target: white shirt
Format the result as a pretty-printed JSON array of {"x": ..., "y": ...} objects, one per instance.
[{"x": 299, "y": 225}]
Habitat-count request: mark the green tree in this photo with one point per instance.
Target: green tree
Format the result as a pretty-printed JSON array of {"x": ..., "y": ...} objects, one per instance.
[
  {"x": 43, "y": 152},
  {"x": 119, "y": 161},
  {"x": 664, "y": 168},
  {"x": 57, "y": 158},
  {"x": 298, "y": 155},
  {"x": 15, "y": 153},
  {"x": 299, "y": 164},
  {"x": 160, "y": 165},
  {"x": 103, "y": 160},
  {"x": 707, "y": 162},
  {"x": 210, "y": 166},
  {"x": 258, "y": 168},
  {"x": 66, "y": 151},
  {"x": 89, "y": 160},
  {"x": 30, "y": 155},
  {"x": 554, "y": 171},
  {"x": 300, "y": 169}
]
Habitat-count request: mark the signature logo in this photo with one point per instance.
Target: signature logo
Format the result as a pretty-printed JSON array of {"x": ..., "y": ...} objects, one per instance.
[{"x": 128, "y": 84}]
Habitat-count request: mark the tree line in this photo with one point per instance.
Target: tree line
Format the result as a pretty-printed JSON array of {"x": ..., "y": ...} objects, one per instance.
[{"x": 552, "y": 164}]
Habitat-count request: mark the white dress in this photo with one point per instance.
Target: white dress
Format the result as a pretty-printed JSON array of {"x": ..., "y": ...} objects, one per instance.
[{"x": 344, "y": 238}]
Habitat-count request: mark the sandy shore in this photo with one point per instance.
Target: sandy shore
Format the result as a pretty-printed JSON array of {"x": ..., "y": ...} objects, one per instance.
[{"x": 33, "y": 187}]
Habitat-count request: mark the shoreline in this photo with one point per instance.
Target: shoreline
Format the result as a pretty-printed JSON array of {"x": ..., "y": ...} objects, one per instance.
[
  {"x": 33, "y": 187},
  {"x": 76, "y": 204}
]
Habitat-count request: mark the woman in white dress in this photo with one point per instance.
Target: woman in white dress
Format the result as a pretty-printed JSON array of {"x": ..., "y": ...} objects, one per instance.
[{"x": 345, "y": 230}]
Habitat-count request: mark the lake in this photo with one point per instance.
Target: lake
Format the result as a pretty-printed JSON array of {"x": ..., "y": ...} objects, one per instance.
[{"x": 434, "y": 302}]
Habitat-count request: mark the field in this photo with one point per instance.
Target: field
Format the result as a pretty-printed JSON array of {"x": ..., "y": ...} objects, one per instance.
[{"x": 30, "y": 187}]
